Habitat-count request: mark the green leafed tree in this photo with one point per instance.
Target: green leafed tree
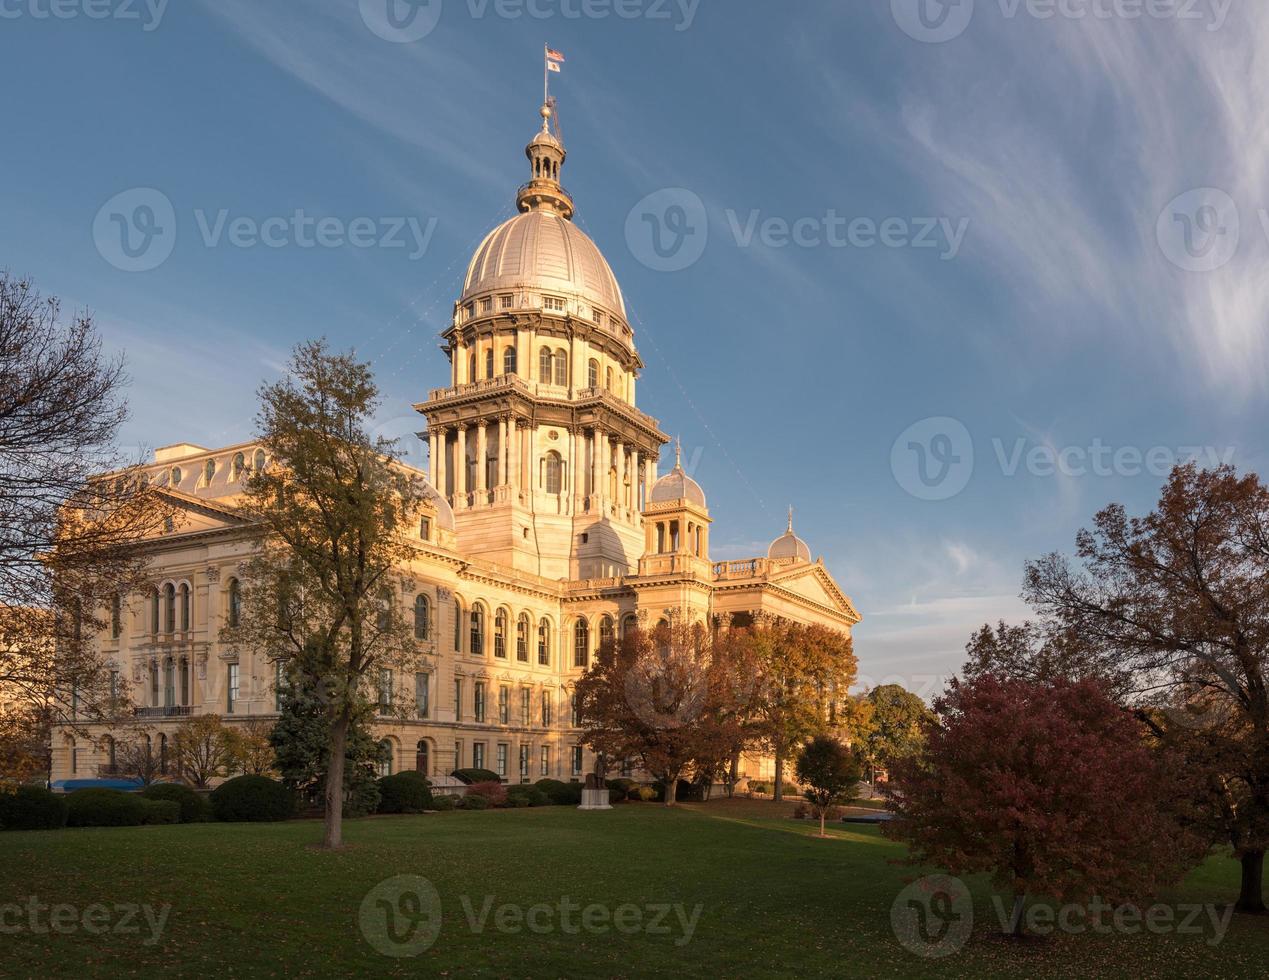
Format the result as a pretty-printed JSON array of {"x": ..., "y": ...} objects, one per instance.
[
  {"x": 321, "y": 592},
  {"x": 896, "y": 727},
  {"x": 830, "y": 773}
]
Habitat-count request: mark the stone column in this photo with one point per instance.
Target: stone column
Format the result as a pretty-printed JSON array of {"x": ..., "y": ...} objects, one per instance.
[
  {"x": 513, "y": 459},
  {"x": 431, "y": 456},
  {"x": 598, "y": 440},
  {"x": 460, "y": 466},
  {"x": 503, "y": 468},
  {"x": 621, "y": 476},
  {"x": 482, "y": 452}
]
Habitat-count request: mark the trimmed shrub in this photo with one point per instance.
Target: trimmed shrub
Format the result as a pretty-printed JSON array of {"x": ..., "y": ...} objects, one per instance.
[
  {"x": 444, "y": 802},
  {"x": 494, "y": 792},
  {"x": 160, "y": 811},
  {"x": 518, "y": 800},
  {"x": 32, "y": 808},
  {"x": 104, "y": 808},
  {"x": 472, "y": 776},
  {"x": 644, "y": 794},
  {"x": 473, "y": 801},
  {"x": 404, "y": 792},
  {"x": 560, "y": 794},
  {"x": 252, "y": 799},
  {"x": 193, "y": 806}
]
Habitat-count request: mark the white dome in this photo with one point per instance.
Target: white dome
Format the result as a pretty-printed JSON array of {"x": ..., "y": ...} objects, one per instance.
[
  {"x": 789, "y": 545},
  {"x": 677, "y": 485},
  {"x": 542, "y": 251}
]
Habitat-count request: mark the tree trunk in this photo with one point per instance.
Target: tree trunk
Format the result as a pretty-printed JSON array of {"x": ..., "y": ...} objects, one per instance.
[
  {"x": 1015, "y": 919},
  {"x": 1251, "y": 897},
  {"x": 333, "y": 835},
  {"x": 778, "y": 791},
  {"x": 671, "y": 791},
  {"x": 823, "y": 810}
]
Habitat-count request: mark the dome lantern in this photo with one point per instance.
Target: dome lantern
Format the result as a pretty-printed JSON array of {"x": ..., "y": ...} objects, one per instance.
[
  {"x": 546, "y": 154},
  {"x": 789, "y": 545}
]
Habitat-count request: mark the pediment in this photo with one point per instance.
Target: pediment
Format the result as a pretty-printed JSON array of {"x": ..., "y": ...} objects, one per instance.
[
  {"x": 194, "y": 515},
  {"x": 813, "y": 582}
]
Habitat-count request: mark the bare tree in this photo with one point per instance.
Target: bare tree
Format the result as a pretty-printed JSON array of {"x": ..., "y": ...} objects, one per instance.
[
  {"x": 203, "y": 750},
  {"x": 67, "y": 532}
]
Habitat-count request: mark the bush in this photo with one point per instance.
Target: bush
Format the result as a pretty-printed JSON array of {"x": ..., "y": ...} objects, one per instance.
[
  {"x": 32, "y": 808},
  {"x": 757, "y": 786},
  {"x": 560, "y": 794},
  {"x": 518, "y": 800},
  {"x": 252, "y": 799},
  {"x": 444, "y": 802},
  {"x": 645, "y": 794},
  {"x": 361, "y": 797},
  {"x": 473, "y": 801},
  {"x": 192, "y": 806},
  {"x": 471, "y": 776},
  {"x": 104, "y": 808},
  {"x": 494, "y": 792},
  {"x": 160, "y": 811},
  {"x": 405, "y": 792},
  {"x": 623, "y": 784}
]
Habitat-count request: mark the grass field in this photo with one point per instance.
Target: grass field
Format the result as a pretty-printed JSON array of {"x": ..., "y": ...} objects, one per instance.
[{"x": 258, "y": 900}]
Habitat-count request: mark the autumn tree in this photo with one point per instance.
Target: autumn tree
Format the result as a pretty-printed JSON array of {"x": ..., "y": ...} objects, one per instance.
[
  {"x": 1052, "y": 789},
  {"x": 896, "y": 726},
  {"x": 321, "y": 592},
  {"x": 71, "y": 510},
  {"x": 1177, "y": 603},
  {"x": 662, "y": 697},
  {"x": 799, "y": 672},
  {"x": 202, "y": 750},
  {"x": 830, "y": 772},
  {"x": 252, "y": 748}
]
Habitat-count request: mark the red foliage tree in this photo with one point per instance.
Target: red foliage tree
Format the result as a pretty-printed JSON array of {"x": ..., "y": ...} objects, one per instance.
[{"x": 1049, "y": 787}]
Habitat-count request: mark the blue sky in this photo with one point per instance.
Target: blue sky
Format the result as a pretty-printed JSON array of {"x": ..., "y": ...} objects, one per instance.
[{"x": 893, "y": 238}]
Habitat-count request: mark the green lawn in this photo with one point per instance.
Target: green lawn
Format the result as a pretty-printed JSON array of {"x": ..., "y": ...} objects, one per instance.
[{"x": 258, "y": 900}]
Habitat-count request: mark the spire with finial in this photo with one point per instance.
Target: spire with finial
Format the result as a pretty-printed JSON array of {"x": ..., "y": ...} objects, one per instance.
[
  {"x": 790, "y": 518},
  {"x": 678, "y": 453},
  {"x": 546, "y": 154}
]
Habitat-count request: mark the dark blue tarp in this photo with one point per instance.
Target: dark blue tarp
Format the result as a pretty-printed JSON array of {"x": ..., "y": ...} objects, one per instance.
[{"x": 70, "y": 785}]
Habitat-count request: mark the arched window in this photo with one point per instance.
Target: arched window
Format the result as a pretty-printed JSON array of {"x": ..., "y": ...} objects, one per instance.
[
  {"x": 235, "y": 602},
  {"x": 628, "y": 624},
  {"x": 169, "y": 683},
  {"x": 385, "y": 759},
  {"x": 154, "y": 611},
  {"x": 608, "y": 378},
  {"x": 500, "y": 634},
  {"x": 421, "y": 617},
  {"x": 169, "y": 608},
  {"x": 471, "y": 367},
  {"x": 509, "y": 360},
  {"x": 184, "y": 608},
  {"x": 592, "y": 374},
  {"x": 554, "y": 473},
  {"x": 184, "y": 680},
  {"x": 154, "y": 682},
  {"x": 109, "y": 746},
  {"x": 477, "y": 631},
  {"x": 561, "y": 369},
  {"x": 163, "y": 754},
  {"x": 489, "y": 363},
  {"x": 581, "y": 643},
  {"x": 177, "y": 476},
  {"x": 605, "y": 631},
  {"x": 423, "y": 757},
  {"x": 258, "y": 461},
  {"x": 239, "y": 464},
  {"x": 544, "y": 643},
  {"x": 522, "y": 639},
  {"x": 458, "y": 626},
  {"x": 209, "y": 471},
  {"x": 544, "y": 366}
]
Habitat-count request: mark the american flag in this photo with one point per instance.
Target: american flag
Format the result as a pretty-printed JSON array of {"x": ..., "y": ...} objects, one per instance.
[{"x": 554, "y": 55}]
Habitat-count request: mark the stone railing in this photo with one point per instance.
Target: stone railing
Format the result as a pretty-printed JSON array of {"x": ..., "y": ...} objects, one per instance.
[
  {"x": 165, "y": 711},
  {"x": 746, "y": 568}
]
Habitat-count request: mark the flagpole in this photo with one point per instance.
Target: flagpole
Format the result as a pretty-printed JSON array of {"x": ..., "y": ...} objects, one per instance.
[{"x": 546, "y": 75}]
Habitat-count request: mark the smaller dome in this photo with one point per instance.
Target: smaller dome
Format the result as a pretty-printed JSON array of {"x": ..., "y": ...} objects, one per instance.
[
  {"x": 789, "y": 545},
  {"x": 677, "y": 485},
  {"x": 444, "y": 513}
]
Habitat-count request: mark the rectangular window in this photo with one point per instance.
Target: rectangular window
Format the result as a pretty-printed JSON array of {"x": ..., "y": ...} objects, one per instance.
[
  {"x": 553, "y": 303},
  {"x": 232, "y": 698},
  {"x": 480, "y": 702},
  {"x": 504, "y": 706},
  {"x": 458, "y": 753},
  {"x": 385, "y": 690},
  {"x": 486, "y": 305},
  {"x": 577, "y": 712},
  {"x": 501, "y": 769},
  {"x": 74, "y": 760},
  {"x": 116, "y": 617},
  {"x": 458, "y": 700},
  {"x": 422, "y": 694},
  {"x": 425, "y": 528},
  {"x": 478, "y": 755},
  {"x": 577, "y": 760},
  {"x": 114, "y": 687},
  {"x": 508, "y": 302},
  {"x": 545, "y": 766},
  {"x": 546, "y": 709},
  {"x": 526, "y": 705},
  {"x": 525, "y": 749},
  {"x": 279, "y": 678}
]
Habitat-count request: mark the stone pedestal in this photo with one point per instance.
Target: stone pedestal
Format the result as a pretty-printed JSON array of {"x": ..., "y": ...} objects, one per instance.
[{"x": 595, "y": 799}]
